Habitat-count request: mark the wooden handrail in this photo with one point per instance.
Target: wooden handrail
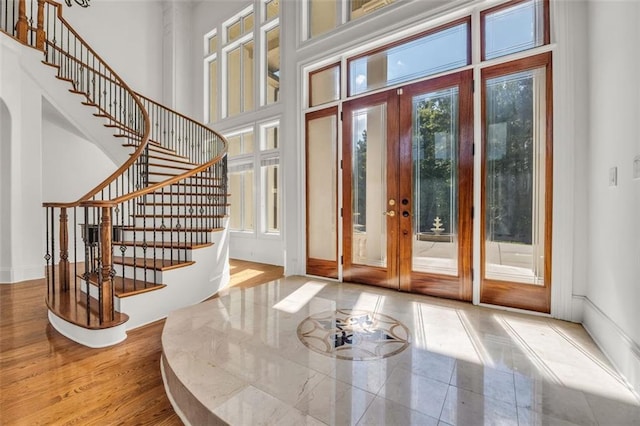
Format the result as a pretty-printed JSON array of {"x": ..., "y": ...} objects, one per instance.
[
  {"x": 122, "y": 193},
  {"x": 147, "y": 125}
]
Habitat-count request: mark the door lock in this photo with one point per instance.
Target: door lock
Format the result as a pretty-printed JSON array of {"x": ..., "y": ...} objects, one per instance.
[
  {"x": 392, "y": 202},
  {"x": 391, "y": 213}
]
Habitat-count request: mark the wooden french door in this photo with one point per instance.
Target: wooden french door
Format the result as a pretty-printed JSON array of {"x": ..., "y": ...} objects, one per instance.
[{"x": 408, "y": 187}]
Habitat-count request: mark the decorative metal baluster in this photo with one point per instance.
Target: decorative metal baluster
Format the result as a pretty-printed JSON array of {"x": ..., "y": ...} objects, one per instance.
[{"x": 47, "y": 256}]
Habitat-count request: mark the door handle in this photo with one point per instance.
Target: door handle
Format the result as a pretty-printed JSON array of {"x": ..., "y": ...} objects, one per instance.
[{"x": 391, "y": 213}]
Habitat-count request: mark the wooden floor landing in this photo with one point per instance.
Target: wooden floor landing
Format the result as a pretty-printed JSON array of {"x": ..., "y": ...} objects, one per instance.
[{"x": 48, "y": 379}]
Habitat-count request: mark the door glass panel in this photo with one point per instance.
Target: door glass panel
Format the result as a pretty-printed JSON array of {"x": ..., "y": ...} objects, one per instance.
[
  {"x": 369, "y": 191},
  {"x": 515, "y": 177},
  {"x": 435, "y": 182},
  {"x": 322, "y": 222}
]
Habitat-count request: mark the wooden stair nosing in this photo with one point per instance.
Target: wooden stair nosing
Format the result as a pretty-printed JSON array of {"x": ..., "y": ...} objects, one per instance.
[
  {"x": 166, "y": 244},
  {"x": 143, "y": 229},
  {"x": 144, "y": 203},
  {"x": 181, "y": 183},
  {"x": 167, "y": 166},
  {"x": 134, "y": 284},
  {"x": 177, "y": 160},
  {"x": 158, "y": 265},
  {"x": 64, "y": 304},
  {"x": 153, "y": 146}
]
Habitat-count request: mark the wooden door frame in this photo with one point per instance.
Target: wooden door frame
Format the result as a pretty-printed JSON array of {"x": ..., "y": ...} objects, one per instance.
[
  {"x": 383, "y": 277},
  {"x": 321, "y": 267},
  {"x": 505, "y": 293},
  {"x": 454, "y": 287}
]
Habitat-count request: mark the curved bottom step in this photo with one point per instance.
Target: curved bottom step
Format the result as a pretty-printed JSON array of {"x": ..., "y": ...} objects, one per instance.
[{"x": 93, "y": 338}]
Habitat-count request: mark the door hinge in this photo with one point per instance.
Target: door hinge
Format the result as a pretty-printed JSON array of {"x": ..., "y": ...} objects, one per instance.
[
  {"x": 473, "y": 86},
  {"x": 341, "y": 115},
  {"x": 341, "y": 211},
  {"x": 342, "y": 260},
  {"x": 472, "y": 212},
  {"x": 471, "y": 274},
  {"x": 473, "y": 149},
  {"x": 341, "y": 165}
]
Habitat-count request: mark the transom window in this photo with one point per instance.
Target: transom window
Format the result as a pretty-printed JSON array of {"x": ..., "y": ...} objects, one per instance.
[
  {"x": 323, "y": 16},
  {"x": 441, "y": 49},
  {"x": 240, "y": 26},
  {"x": 513, "y": 27}
]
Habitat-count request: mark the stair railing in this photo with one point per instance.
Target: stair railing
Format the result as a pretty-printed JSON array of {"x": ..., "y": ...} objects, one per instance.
[{"x": 191, "y": 202}]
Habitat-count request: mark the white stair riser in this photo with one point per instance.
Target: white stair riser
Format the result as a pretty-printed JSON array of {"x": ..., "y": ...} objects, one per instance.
[
  {"x": 166, "y": 159},
  {"x": 173, "y": 222},
  {"x": 179, "y": 209},
  {"x": 184, "y": 198},
  {"x": 167, "y": 236},
  {"x": 150, "y": 252},
  {"x": 148, "y": 275}
]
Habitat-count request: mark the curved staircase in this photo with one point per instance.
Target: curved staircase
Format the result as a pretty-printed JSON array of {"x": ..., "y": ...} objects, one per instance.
[{"x": 149, "y": 238}]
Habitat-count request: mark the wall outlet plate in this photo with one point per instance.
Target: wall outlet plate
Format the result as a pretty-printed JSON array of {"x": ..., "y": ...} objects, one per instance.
[
  {"x": 613, "y": 176},
  {"x": 636, "y": 167}
]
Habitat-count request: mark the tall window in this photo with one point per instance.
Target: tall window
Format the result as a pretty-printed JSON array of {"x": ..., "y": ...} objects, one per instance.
[
  {"x": 239, "y": 54},
  {"x": 211, "y": 75},
  {"x": 241, "y": 180},
  {"x": 255, "y": 179},
  {"x": 270, "y": 177},
  {"x": 270, "y": 34}
]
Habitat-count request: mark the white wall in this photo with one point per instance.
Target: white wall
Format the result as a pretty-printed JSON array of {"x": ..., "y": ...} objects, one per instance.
[
  {"x": 612, "y": 311},
  {"x": 5, "y": 196},
  {"x": 128, "y": 36},
  {"x": 69, "y": 155},
  {"x": 22, "y": 183}
]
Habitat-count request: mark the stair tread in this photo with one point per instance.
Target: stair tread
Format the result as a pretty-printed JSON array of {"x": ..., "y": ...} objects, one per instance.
[
  {"x": 180, "y": 183},
  {"x": 165, "y": 244},
  {"x": 167, "y": 166},
  {"x": 178, "y": 204},
  {"x": 124, "y": 287},
  {"x": 207, "y": 216},
  {"x": 178, "y": 159},
  {"x": 71, "y": 306},
  {"x": 153, "y": 146},
  {"x": 155, "y": 264},
  {"x": 148, "y": 229}
]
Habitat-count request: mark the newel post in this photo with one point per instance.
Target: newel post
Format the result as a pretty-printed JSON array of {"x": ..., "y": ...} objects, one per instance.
[
  {"x": 40, "y": 34},
  {"x": 22, "y": 26},
  {"x": 63, "y": 266},
  {"x": 106, "y": 289}
]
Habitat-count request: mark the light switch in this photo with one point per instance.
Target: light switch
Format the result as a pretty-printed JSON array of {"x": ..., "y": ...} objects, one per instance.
[{"x": 613, "y": 176}]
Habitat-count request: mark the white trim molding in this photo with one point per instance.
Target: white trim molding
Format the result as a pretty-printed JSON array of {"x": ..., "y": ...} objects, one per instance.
[{"x": 619, "y": 348}]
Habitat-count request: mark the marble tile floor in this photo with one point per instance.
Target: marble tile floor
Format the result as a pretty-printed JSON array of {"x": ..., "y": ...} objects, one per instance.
[{"x": 238, "y": 359}]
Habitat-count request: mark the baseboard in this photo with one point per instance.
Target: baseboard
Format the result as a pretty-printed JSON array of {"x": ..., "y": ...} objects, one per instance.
[
  {"x": 577, "y": 308},
  {"x": 17, "y": 275},
  {"x": 621, "y": 350}
]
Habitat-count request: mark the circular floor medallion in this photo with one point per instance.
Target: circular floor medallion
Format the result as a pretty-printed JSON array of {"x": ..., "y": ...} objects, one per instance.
[{"x": 354, "y": 334}]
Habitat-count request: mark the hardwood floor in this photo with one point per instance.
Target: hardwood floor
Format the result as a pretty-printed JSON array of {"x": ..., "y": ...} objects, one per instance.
[{"x": 48, "y": 379}]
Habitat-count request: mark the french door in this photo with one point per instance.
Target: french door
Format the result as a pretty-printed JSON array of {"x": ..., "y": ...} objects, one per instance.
[{"x": 408, "y": 188}]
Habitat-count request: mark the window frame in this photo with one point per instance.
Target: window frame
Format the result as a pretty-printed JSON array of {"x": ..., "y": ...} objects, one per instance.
[
  {"x": 541, "y": 295},
  {"x": 546, "y": 36},
  {"x": 310, "y": 75},
  {"x": 463, "y": 20}
]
